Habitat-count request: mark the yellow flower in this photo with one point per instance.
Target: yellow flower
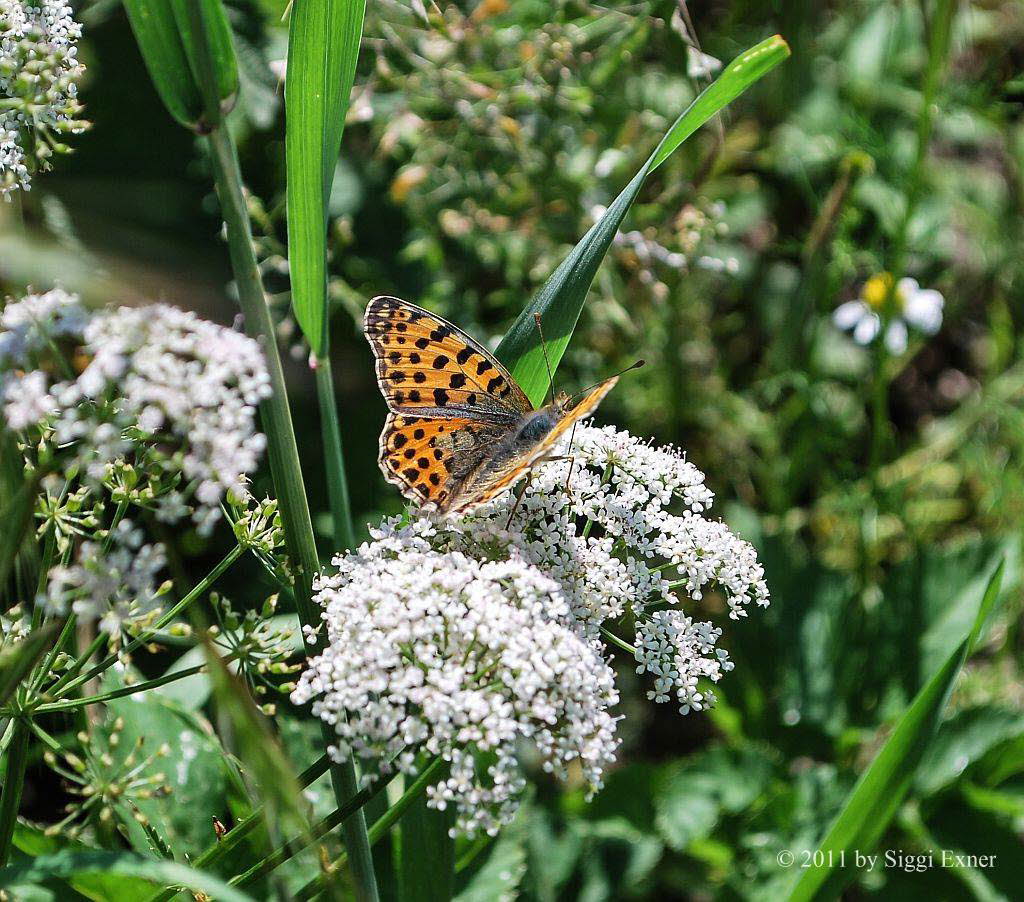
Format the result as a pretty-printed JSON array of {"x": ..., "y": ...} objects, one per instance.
[{"x": 876, "y": 290}]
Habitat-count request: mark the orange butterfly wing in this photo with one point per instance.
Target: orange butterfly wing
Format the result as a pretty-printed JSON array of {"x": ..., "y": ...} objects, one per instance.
[
  {"x": 429, "y": 458},
  {"x": 428, "y": 367}
]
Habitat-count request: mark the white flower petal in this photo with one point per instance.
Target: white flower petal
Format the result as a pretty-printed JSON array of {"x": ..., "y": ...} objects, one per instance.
[
  {"x": 866, "y": 330},
  {"x": 847, "y": 315},
  {"x": 923, "y": 310},
  {"x": 896, "y": 337}
]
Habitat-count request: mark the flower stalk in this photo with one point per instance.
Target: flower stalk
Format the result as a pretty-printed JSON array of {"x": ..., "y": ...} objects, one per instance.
[{"x": 277, "y": 423}]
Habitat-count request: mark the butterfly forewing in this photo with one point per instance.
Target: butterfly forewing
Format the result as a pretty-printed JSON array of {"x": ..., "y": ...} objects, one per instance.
[{"x": 428, "y": 367}]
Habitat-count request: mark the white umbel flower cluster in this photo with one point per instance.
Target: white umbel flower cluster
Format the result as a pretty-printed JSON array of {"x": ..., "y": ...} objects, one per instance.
[
  {"x": 613, "y": 537},
  {"x": 39, "y": 74},
  {"x": 439, "y": 653},
  {"x": 115, "y": 583},
  {"x": 165, "y": 393}
]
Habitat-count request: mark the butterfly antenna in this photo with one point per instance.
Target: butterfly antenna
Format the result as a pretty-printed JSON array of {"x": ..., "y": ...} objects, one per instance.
[
  {"x": 632, "y": 366},
  {"x": 547, "y": 360}
]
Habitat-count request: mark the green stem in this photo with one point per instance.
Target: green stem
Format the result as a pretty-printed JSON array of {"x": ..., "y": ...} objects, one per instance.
[
  {"x": 337, "y": 483},
  {"x": 243, "y": 829},
  {"x": 615, "y": 640},
  {"x": 61, "y": 689},
  {"x": 285, "y": 466},
  {"x": 381, "y": 826},
  {"x": 293, "y": 847},
  {"x": 69, "y": 705},
  {"x": 10, "y": 798},
  {"x": 879, "y": 406}
]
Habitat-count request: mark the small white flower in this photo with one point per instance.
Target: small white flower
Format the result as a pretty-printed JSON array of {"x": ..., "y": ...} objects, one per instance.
[
  {"x": 39, "y": 74},
  {"x": 920, "y": 308},
  {"x": 460, "y": 658},
  {"x": 178, "y": 390},
  {"x": 118, "y": 586}
]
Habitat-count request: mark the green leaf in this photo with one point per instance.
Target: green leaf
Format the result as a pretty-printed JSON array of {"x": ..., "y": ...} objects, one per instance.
[
  {"x": 156, "y": 33},
  {"x": 880, "y": 790},
  {"x": 194, "y": 768},
  {"x": 17, "y": 660},
  {"x": 323, "y": 46},
  {"x": 69, "y": 865},
  {"x": 499, "y": 878},
  {"x": 206, "y": 39},
  {"x": 427, "y": 855},
  {"x": 561, "y": 299}
]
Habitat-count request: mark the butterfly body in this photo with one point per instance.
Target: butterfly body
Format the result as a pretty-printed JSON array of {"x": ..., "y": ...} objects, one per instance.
[{"x": 460, "y": 430}]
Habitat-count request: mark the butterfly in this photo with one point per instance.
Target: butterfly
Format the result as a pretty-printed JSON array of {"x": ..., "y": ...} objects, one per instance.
[{"x": 459, "y": 430}]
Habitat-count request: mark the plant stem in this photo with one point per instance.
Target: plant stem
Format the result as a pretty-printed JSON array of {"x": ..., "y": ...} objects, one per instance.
[
  {"x": 380, "y": 826},
  {"x": 330, "y": 430},
  {"x": 10, "y": 798},
  {"x": 615, "y": 640},
  {"x": 155, "y": 683},
  {"x": 285, "y": 466},
  {"x": 293, "y": 847},
  {"x": 243, "y": 829}
]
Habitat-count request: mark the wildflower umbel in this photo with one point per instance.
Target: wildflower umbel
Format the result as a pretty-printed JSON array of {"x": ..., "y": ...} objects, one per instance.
[
  {"x": 106, "y": 781},
  {"x": 116, "y": 582},
  {"x": 459, "y": 636},
  {"x": 163, "y": 412},
  {"x": 39, "y": 74},
  {"x": 437, "y": 652}
]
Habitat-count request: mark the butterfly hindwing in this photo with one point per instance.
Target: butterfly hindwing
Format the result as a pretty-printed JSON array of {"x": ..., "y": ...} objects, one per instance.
[
  {"x": 429, "y": 459},
  {"x": 428, "y": 367}
]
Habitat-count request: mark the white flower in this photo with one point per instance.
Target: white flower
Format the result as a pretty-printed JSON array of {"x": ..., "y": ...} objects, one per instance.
[
  {"x": 39, "y": 72},
  {"x": 118, "y": 586},
  {"x": 177, "y": 391},
  {"x": 678, "y": 651},
  {"x": 461, "y": 635},
  {"x": 912, "y": 305},
  {"x": 26, "y": 400},
  {"x": 30, "y": 324},
  {"x": 439, "y": 653}
]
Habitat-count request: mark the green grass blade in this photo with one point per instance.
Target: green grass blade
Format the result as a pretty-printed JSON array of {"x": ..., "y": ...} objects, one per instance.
[
  {"x": 882, "y": 787},
  {"x": 427, "y": 853},
  {"x": 323, "y": 47},
  {"x": 156, "y": 32},
  {"x": 69, "y": 864},
  {"x": 206, "y": 38},
  {"x": 561, "y": 299}
]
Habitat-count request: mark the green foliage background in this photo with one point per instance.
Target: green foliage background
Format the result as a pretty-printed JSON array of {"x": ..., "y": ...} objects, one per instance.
[{"x": 480, "y": 141}]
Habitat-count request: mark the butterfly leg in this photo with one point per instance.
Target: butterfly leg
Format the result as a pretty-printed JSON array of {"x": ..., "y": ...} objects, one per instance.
[{"x": 519, "y": 498}]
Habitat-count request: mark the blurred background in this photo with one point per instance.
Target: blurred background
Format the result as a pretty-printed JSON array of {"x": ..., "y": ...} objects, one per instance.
[{"x": 880, "y": 480}]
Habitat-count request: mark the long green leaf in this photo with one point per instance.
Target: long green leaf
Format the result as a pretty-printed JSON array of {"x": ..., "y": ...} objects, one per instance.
[
  {"x": 206, "y": 38},
  {"x": 427, "y": 853},
  {"x": 156, "y": 33},
  {"x": 323, "y": 47},
  {"x": 67, "y": 865},
  {"x": 881, "y": 789},
  {"x": 561, "y": 299}
]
